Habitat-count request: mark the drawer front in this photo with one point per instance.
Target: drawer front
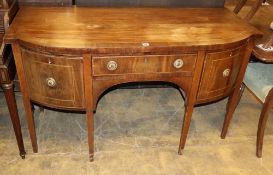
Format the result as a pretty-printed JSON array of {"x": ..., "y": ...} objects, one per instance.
[
  {"x": 54, "y": 81},
  {"x": 143, "y": 64},
  {"x": 220, "y": 73}
]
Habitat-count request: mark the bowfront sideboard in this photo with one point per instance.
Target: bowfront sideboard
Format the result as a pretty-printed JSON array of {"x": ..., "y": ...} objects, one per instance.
[{"x": 66, "y": 57}]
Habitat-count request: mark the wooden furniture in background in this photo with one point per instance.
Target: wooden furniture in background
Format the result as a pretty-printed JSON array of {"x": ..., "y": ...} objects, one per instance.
[
  {"x": 267, "y": 106},
  {"x": 8, "y": 9},
  {"x": 263, "y": 89},
  {"x": 259, "y": 80},
  {"x": 262, "y": 45},
  {"x": 263, "y": 49},
  {"x": 72, "y": 55},
  {"x": 254, "y": 8}
]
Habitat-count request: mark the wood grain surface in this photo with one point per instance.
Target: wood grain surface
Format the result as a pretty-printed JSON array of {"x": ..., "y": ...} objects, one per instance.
[
  {"x": 102, "y": 28},
  {"x": 153, "y": 3}
]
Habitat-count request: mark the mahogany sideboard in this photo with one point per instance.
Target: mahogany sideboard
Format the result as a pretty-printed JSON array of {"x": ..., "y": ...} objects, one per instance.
[{"x": 67, "y": 57}]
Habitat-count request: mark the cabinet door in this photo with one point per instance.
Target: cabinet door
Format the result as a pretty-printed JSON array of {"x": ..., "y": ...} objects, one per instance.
[
  {"x": 54, "y": 81},
  {"x": 219, "y": 74}
]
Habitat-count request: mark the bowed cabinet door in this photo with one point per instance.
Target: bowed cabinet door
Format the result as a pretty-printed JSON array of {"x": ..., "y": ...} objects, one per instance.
[
  {"x": 219, "y": 75},
  {"x": 54, "y": 81}
]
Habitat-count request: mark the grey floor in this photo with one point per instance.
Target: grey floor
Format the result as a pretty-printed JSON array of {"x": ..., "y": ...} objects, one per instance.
[{"x": 137, "y": 132}]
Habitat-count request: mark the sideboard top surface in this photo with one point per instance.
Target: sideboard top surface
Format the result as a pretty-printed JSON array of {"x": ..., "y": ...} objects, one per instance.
[{"x": 91, "y": 28}]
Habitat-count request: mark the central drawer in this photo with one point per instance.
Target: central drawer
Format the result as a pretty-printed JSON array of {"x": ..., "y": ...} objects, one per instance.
[{"x": 143, "y": 64}]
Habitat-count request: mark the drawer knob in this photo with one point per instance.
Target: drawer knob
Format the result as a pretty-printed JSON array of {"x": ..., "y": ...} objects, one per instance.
[
  {"x": 178, "y": 63},
  {"x": 112, "y": 65},
  {"x": 51, "y": 82},
  {"x": 226, "y": 72},
  {"x": 145, "y": 44}
]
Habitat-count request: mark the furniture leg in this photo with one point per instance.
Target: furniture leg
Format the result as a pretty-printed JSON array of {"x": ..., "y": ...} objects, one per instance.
[
  {"x": 89, "y": 103},
  {"x": 190, "y": 101},
  {"x": 11, "y": 102},
  {"x": 231, "y": 106},
  {"x": 267, "y": 106},
  {"x": 90, "y": 131},
  {"x": 26, "y": 99},
  {"x": 185, "y": 128},
  {"x": 234, "y": 97}
]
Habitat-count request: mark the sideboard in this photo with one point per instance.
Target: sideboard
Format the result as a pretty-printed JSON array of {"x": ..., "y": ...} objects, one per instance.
[{"x": 66, "y": 57}]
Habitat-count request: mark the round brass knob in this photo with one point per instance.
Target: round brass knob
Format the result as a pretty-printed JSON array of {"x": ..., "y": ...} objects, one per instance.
[
  {"x": 226, "y": 72},
  {"x": 178, "y": 63},
  {"x": 51, "y": 82},
  {"x": 112, "y": 65},
  {"x": 145, "y": 44}
]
